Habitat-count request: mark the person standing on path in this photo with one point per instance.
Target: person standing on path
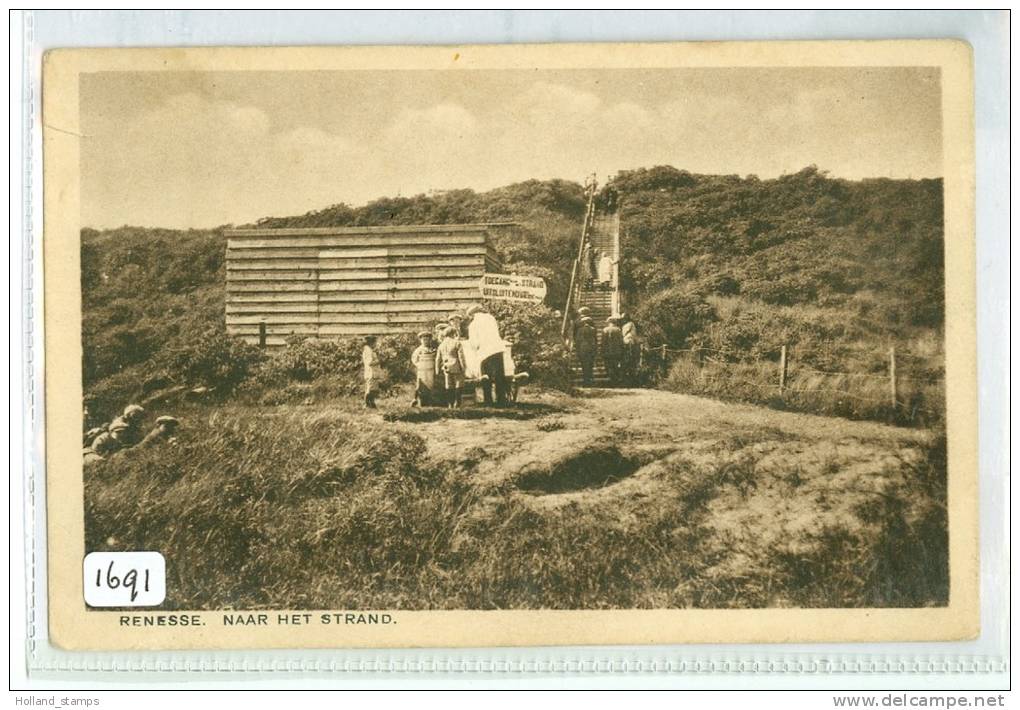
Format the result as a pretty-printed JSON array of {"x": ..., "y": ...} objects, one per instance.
[
  {"x": 631, "y": 350},
  {"x": 484, "y": 339},
  {"x": 424, "y": 361},
  {"x": 612, "y": 349},
  {"x": 450, "y": 363},
  {"x": 372, "y": 371},
  {"x": 586, "y": 345},
  {"x": 581, "y": 313},
  {"x": 606, "y": 264},
  {"x": 587, "y": 265}
]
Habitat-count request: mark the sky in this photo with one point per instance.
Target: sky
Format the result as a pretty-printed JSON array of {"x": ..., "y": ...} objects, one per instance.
[{"x": 203, "y": 149}]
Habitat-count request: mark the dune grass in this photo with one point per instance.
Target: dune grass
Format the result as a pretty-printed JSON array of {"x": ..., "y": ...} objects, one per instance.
[{"x": 309, "y": 509}]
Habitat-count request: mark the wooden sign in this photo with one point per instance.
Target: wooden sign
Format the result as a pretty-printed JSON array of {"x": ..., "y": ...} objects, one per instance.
[{"x": 511, "y": 287}]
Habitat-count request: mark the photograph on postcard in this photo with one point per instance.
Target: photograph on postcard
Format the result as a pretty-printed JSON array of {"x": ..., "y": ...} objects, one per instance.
[{"x": 347, "y": 341}]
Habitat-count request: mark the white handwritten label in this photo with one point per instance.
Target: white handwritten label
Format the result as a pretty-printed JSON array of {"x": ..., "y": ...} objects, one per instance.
[{"x": 125, "y": 579}]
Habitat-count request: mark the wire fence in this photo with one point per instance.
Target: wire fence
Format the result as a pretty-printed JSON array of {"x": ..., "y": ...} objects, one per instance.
[{"x": 904, "y": 393}]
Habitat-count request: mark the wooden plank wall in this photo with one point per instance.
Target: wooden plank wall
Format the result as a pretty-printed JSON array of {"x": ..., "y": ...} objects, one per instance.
[{"x": 329, "y": 282}]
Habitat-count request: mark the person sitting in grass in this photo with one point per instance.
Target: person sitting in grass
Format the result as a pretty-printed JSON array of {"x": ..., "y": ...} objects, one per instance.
[
  {"x": 424, "y": 360},
  {"x": 129, "y": 425},
  {"x": 450, "y": 362}
]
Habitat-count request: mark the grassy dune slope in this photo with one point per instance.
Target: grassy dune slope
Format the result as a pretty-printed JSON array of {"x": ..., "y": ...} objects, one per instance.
[
  {"x": 621, "y": 499},
  {"x": 837, "y": 271}
]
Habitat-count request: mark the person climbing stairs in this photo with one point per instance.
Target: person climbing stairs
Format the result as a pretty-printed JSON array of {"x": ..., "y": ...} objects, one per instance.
[{"x": 595, "y": 286}]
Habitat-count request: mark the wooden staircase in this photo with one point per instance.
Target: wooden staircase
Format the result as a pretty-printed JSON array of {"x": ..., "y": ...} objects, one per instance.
[{"x": 603, "y": 230}]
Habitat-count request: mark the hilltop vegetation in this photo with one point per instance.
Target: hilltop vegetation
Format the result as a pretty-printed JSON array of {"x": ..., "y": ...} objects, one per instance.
[
  {"x": 872, "y": 247},
  {"x": 836, "y": 270}
]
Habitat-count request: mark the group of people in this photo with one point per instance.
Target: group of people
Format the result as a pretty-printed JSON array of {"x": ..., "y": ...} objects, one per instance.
[
  {"x": 620, "y": 347},
  {"x": 596, "y": 267},
  {"x": 125, "y": 432},
  {"x": 466, "y": 346}
]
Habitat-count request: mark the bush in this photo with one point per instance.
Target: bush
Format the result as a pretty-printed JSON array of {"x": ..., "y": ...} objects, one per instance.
[
  {"x": 336, "y": 362},
  {"x": 312, "y": 367},
  {"x": 145, "y": 291},
  {"x": 213, "y": 359},
  {"x": 673, "y": 317}
]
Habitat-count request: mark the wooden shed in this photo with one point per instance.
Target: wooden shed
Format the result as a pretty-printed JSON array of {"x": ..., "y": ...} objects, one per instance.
[{"x": 340, "y": 281}]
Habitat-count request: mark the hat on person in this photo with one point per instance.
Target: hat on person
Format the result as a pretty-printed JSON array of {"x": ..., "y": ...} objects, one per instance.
[
  {"x": 587, "y": 319},
  {"x": 612, "y": 319},
  {"x": 104, "y": 444},
  {"x": 583, "y": 310},
  {"x": 456, "y": 315},
  {"x": 118, "y": 424},
  {"x": 133, "y": 410},
  {"x": 424, "y": 334},
  {"x": 473, "y": 308},
  {"x": 168, "y": 423}
]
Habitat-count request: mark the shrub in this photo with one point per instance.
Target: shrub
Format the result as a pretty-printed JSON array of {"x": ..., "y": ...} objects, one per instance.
[
  {"x": 337, "y": 362},
  {"x": 214, "y": 359},
  {"x": 673, "y": 316}
]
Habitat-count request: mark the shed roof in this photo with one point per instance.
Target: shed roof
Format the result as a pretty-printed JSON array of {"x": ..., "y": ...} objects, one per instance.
[{"x": 390, "y": 229}]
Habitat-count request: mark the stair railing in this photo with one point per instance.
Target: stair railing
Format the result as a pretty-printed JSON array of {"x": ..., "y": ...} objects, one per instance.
[
  {"x": 589, "y": 218},
  {"x": 616, "y": 264}
]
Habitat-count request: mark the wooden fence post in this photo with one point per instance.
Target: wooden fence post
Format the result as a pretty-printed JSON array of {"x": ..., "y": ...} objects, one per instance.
[
  {"x": 782, "y": 368},
  {"x": 892, "y": 376},
  {"x": 262, "y": 334}
]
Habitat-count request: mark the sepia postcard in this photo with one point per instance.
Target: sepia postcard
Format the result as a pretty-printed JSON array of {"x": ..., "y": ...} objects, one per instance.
[{"x": 484, "y": 346}]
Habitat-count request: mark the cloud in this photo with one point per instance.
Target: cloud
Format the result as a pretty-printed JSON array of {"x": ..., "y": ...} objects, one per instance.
[
  {"x": 550, "y": 106},
  {"x": 438, "y": 127},
  {"x": 629, "y": 115},
  {"x": 313, "y": 140},
  {"x": 196, "y": 160},
  {"x": 191, "y": 159}
]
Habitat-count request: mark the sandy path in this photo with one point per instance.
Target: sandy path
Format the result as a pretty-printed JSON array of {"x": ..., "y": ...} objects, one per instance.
[{"x": 780, "y": 479}]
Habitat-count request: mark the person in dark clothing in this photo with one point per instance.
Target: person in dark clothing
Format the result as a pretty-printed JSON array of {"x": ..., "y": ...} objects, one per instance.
[
  {"x": 587, "y": 274},
  {"x": 450, "y": 363},
  {"x": 612, "y": 349},
  {"x": 611, "y": 197},
  {"x": 494, "y": 377},
  {"x": 581, "y": 313},
  {"x": 586, "y": 344},
  {"x": 631, "y": 350}
]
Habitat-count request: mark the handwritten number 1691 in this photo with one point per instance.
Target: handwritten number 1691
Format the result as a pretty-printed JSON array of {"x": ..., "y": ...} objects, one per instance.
[{"x": 128, "y": 581}]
